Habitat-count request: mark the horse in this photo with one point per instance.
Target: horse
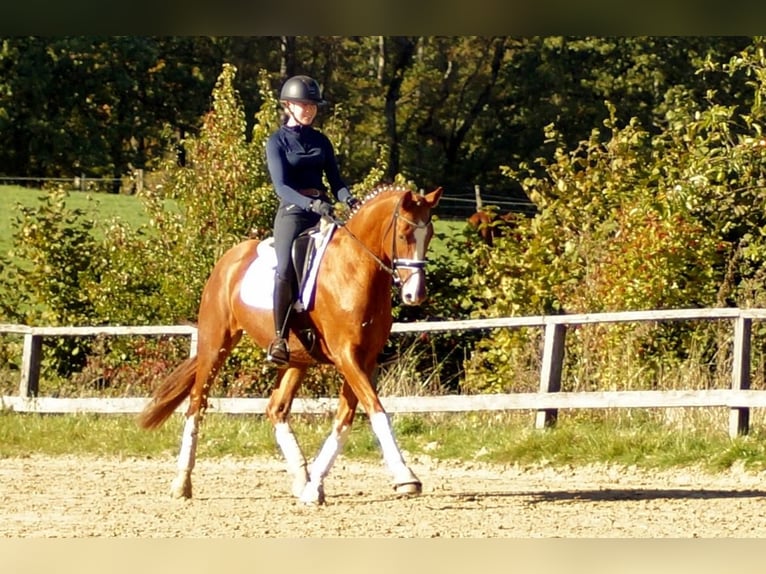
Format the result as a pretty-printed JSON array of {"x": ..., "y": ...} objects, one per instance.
[
  {"x": 490, "y": 225},
  {"x": 383, "y": 242}
]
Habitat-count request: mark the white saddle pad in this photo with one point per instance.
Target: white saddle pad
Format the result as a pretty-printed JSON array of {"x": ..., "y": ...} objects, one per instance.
[{"x": 257, "y": 289}]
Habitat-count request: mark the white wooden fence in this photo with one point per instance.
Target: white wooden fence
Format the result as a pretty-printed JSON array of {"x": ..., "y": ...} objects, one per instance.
[{"x": 740, "y": 399}]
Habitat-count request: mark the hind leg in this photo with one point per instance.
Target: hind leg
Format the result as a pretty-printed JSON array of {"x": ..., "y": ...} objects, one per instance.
[
  {"x": 278, "y": 411},
  {"x": 209, "y": 361},
  {"x": 313, "y": 493},
  {"x": 181, "y": 487}
]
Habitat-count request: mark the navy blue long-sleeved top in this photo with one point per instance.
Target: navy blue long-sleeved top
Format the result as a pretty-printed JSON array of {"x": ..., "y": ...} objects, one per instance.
[{"x": 297, "y": 157}]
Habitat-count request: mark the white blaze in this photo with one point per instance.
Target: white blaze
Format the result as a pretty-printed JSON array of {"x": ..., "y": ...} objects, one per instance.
[{"x": 413, "y": 288}]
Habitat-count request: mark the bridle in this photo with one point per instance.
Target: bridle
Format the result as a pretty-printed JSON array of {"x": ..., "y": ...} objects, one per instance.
[
  {"x": 397, "y": 263},
  {"x": 405, "y": 263}
]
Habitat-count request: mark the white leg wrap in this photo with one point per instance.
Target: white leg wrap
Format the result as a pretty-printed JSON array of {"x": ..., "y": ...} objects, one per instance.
[
  {"x": 326, "y": 457},
  {"x": 314, "y": 491},
  {"x": 291, "y": 450},
  {"x": 404, "y": 479},
  {"x": 381, "y": 426},
  {"x": 181, "y": 485},
  {"x": 188, "y": 455}
]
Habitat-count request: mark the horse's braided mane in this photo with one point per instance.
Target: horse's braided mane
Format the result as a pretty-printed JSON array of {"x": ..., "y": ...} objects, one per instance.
[{"x": 379, "y": 189}]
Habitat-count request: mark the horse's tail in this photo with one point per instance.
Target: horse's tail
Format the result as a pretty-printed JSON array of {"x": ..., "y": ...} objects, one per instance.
[{"x": 169, "y": 395}]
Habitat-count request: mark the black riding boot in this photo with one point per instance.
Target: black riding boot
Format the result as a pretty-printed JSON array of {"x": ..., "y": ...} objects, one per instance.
[{"x": 278, "y": 352}]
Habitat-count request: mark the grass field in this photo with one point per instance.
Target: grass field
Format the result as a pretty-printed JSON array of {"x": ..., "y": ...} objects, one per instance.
[
  {"x": 103, "y": 207},
  {"x": 98, "y": 206}
]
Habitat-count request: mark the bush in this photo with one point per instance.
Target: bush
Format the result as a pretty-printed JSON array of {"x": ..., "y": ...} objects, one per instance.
[{"x": 634, "y": 219}]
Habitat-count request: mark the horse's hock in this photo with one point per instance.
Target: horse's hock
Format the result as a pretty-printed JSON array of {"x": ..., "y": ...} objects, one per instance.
[{"x": 72, "y": 496}]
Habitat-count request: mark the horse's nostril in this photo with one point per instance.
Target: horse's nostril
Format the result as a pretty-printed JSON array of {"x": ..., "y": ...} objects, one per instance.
[{"x": 410, "y": 299}]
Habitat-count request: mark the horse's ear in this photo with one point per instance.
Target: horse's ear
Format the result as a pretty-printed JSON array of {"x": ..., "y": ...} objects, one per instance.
[
  {"x": 434, "y": 197},
  {"x": 430, "y": 198}
]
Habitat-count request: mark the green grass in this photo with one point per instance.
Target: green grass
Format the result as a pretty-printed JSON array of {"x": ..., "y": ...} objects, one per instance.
[
  {"x": 104, "y": 207},
  {"x": 507, "y": 438},
  {"x": 99, "y": 207}
]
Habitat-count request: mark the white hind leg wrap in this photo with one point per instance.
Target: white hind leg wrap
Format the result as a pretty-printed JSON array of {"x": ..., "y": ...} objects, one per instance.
[
  {"x": 313, "y": 493},
  {"x": 188, "y": 453},
  {"x": 330, "y": 451}
]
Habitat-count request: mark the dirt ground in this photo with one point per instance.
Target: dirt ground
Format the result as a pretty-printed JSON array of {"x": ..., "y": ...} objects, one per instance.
[{"x": 235, "y": 498}]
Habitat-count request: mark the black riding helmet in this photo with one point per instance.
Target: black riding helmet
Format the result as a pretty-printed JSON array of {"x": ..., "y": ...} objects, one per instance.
[{"x": 302, "y": 89}]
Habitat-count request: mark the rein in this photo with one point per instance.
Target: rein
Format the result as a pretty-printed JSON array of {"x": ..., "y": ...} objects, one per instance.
[{"x": 396, "y": 261}]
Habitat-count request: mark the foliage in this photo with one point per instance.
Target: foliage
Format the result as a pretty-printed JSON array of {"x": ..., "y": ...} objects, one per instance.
[
  {"x": 153, "y": 274},
  {"x": 661, "y": 207},
  {"x": 95, "y": 105},
  {"x": 56, "y": 244},
  {"x": 634, "y": 221},
  {"x": 55, "y": 255},
  {"x": 446, "y": 110},
  {"x": 224, "y": 196}
]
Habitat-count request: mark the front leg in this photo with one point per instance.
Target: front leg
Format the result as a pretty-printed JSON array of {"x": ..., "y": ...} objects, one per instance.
[
  {"x": 405, "y": 481},
  {"x": 359, "y": 381}
]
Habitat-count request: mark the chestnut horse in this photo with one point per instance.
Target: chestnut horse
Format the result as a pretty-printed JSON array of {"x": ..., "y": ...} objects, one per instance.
[
  {"x": 490, "y": 225},
  {"x": 385, "y": 239}
]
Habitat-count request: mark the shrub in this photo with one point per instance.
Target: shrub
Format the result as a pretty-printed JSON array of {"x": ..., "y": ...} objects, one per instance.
[{"x": 634, "y": 220}]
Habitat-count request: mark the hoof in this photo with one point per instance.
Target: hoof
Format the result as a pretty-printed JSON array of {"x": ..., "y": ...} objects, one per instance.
[
  {"x": 181, "y": 487},
  {"x": 406, "y": 483},
  {"x": 312, "y": 494},
  {"x": 409, "y": 488}
]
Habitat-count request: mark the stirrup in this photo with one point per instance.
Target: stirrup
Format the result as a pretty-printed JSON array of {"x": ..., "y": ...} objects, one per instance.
[{"x": 278, "y": 352}]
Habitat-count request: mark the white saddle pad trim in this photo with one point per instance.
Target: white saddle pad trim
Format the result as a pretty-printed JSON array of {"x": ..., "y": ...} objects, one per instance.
[{"x": 257, "y": 288}]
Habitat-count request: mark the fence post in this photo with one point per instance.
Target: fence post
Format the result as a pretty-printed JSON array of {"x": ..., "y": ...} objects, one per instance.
[
  {"x": 139, "y": 174},
  {"x": 550, "y": 371},
  {"x": 30, "y": 365},
  {"x": 193, "y": 344},
  {"x": 739, "y": 417},
  {"x": 477, "y": 194}
]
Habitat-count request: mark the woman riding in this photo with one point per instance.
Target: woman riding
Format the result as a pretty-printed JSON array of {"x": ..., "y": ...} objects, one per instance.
[{"x": 298, "y": 156}]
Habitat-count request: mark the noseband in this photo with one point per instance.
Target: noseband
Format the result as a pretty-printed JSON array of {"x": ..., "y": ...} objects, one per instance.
[{"x": 403, "y": 263}]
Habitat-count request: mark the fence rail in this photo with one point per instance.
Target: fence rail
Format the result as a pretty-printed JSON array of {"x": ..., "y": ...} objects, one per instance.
[{"x": 545, "y": 403}]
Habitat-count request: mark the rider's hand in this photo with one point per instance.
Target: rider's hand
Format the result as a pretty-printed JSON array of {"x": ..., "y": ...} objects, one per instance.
[{"x": 322, "y": 208}]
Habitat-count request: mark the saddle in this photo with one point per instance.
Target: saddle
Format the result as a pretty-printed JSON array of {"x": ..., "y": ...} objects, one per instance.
[
  {"x": 257, "y": 285},
  {"x": 307, "y": 251}
]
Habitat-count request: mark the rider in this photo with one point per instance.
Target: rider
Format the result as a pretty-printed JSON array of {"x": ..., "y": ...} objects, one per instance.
[{"x": 298, "y": 156}]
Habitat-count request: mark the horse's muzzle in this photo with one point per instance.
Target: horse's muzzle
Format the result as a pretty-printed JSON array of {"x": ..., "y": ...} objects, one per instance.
[{"x": 413, "y": 288}]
